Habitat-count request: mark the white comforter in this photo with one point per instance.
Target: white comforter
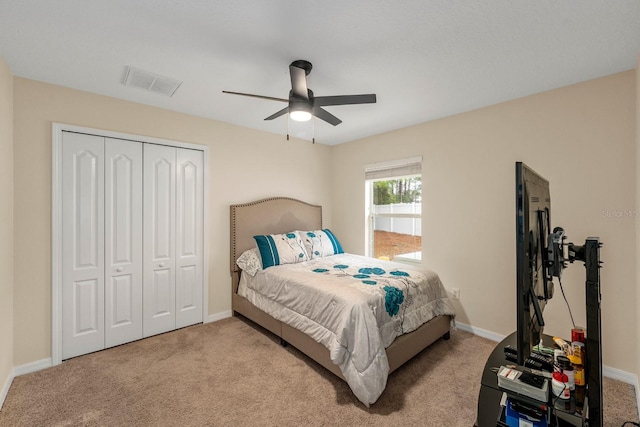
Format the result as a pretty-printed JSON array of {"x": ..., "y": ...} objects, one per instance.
[{"x": 353, "y": 305}]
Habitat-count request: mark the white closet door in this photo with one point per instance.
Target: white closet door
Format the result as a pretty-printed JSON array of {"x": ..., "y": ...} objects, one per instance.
[
  {"x": 123, "y": 241},
  {"x": 159, "y": 209},
  {"x": 189, "y": 238},
  {"x": 82, "y": 244}
]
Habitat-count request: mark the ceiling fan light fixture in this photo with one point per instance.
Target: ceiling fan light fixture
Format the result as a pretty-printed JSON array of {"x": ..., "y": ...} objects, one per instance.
[
  {"x": 300, "y": 115},
  {"x": 299, "y": 109}
]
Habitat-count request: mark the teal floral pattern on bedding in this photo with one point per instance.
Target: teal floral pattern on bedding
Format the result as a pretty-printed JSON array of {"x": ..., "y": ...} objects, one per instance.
[
  {"x": 392, "y": 300},
  {"x": 390, "y": 284}
]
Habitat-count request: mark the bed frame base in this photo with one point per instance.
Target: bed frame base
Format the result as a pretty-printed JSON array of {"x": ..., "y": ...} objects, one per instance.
[{"x": 403, "y": 348}]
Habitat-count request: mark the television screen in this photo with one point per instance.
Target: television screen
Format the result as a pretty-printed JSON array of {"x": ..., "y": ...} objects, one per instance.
[{"x": 534, "y": 286}]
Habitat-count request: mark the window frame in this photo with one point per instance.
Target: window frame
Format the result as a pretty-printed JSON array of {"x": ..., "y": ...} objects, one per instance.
[{"x": 407, "y": 168}]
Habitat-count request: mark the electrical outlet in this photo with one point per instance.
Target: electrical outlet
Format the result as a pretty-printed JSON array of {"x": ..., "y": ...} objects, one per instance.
[{"x": 455, "y": 293}]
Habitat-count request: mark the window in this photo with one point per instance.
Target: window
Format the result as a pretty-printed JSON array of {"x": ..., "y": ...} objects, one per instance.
[{"x": 394, "y": 210}]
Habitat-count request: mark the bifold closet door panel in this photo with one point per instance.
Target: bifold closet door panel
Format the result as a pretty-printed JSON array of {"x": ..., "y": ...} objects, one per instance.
[
  {"x": 159, "y": 213},
  {"x": 189, "y": 237},
  {"x": 123, "y": 241},
  {"x": 82, "y": 244}
]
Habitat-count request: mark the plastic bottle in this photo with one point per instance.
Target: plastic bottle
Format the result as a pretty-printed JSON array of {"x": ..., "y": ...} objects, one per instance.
[
  {"x": 564, "y": 365},
  {"x": 559, "y": 385},
  {"x": 578, "y": 370}
]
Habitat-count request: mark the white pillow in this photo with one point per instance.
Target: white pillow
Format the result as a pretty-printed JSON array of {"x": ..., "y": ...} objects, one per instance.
[
  {"x": 250, "y": 262},
  {"x": 276, "y": 249},
  {"x": 320, "y": 243}
]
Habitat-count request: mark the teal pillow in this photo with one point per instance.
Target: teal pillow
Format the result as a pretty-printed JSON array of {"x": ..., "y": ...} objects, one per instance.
[{"x": 277, "y": 249}]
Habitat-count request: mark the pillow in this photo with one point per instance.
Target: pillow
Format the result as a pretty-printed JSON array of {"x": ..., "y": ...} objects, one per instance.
[
  {"x": 277, "y": 249},
  {"x": 250, "y": 262},
  {"x": 321, "y": 243}
]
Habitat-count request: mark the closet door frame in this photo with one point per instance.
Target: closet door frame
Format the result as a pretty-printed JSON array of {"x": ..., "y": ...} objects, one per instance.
[{"x": 56, "y": 220}]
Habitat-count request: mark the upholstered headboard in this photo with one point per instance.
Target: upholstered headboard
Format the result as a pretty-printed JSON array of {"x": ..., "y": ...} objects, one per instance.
[{"x": 275, "y": 215}]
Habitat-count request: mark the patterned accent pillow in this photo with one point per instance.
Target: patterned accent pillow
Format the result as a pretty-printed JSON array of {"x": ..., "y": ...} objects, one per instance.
[
  {"x": 250, "y": 261},
  {"x": 277, "y": 249},
  {"x": 321, "y": 243}
]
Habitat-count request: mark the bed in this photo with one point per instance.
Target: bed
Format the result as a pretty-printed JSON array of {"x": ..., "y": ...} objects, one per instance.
[{"x": 282, "y": 215}]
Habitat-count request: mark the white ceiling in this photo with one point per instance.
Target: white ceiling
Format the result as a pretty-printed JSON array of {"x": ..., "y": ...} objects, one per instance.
[{"x": 425, "y": 59}]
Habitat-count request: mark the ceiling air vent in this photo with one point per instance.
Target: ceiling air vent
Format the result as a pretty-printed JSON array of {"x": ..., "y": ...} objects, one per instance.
[{"x": 152, "y": 82}]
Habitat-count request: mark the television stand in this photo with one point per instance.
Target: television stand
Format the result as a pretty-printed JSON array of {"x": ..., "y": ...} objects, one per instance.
[{"x": 489, "y": 407}]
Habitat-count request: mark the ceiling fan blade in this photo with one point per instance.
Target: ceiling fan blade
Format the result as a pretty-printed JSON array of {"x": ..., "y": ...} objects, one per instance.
[
  {"x": 282, "y": 112},
  {"x": 298, "y": 82},
  {"x": 323, "y": 101},
  {"x": 326, "y": 116},
  {"x": 256, "y": 96}
]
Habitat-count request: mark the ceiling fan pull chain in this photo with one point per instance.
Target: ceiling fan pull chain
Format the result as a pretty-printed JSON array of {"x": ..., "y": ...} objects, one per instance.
[
  {"x": 287, "y": 127},
  {"x": 313, "y": 127}
]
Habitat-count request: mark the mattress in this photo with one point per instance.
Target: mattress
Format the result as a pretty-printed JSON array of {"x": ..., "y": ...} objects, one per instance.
[{"x": 355, "y": 306}]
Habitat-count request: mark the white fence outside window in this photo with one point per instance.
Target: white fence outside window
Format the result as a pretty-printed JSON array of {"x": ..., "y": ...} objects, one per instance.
[{"x": 391, "y": 218}]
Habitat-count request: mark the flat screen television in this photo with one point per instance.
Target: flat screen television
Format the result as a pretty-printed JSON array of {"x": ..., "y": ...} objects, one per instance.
[{"x": 534, "y": 286}]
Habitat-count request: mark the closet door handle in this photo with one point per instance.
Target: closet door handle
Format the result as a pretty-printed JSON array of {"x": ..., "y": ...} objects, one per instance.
[
  {"x": 119, "y": 270},
  {"x": 161, "y": 265}
]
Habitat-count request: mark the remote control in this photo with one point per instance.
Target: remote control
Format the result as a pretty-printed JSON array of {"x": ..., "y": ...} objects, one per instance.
[
  {"x": 540, "y": 361},
  {"x": 531, "y": 379},
  {"x": 533, "y": 363},
  {"x": 510, "y": 353}
]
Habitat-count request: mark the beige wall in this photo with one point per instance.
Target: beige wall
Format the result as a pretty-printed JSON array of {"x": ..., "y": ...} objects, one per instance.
[
  {"x": 6, "y": 223},
  {"x": 245, "y": 165},
  {"x": 580, "y": 137},
  {"x": 638, "y": 227}
]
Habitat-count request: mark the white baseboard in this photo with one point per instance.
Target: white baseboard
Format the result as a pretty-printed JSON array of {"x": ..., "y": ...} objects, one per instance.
[
  {"x": 620, "y": 375},
  {"x": 5, "y": 388},
  {"x": 27, "y": 368},
  {"x": 219, "y": 316},
  {"x": 484, "y": 333}
]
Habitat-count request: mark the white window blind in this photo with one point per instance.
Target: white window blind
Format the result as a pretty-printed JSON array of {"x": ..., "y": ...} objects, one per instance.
[{"x": 393, "y": 169}]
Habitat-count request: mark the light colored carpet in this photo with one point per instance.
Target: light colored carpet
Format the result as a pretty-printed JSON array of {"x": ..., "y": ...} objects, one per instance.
[{"x": 233, "y": 373}]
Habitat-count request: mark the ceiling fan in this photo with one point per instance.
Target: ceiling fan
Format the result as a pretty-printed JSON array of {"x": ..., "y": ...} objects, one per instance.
[{"x": 303, "y": 104}]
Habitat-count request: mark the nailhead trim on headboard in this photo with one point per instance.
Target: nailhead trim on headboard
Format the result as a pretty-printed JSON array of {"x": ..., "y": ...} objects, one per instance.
[{"x": 233, "y": 208}]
